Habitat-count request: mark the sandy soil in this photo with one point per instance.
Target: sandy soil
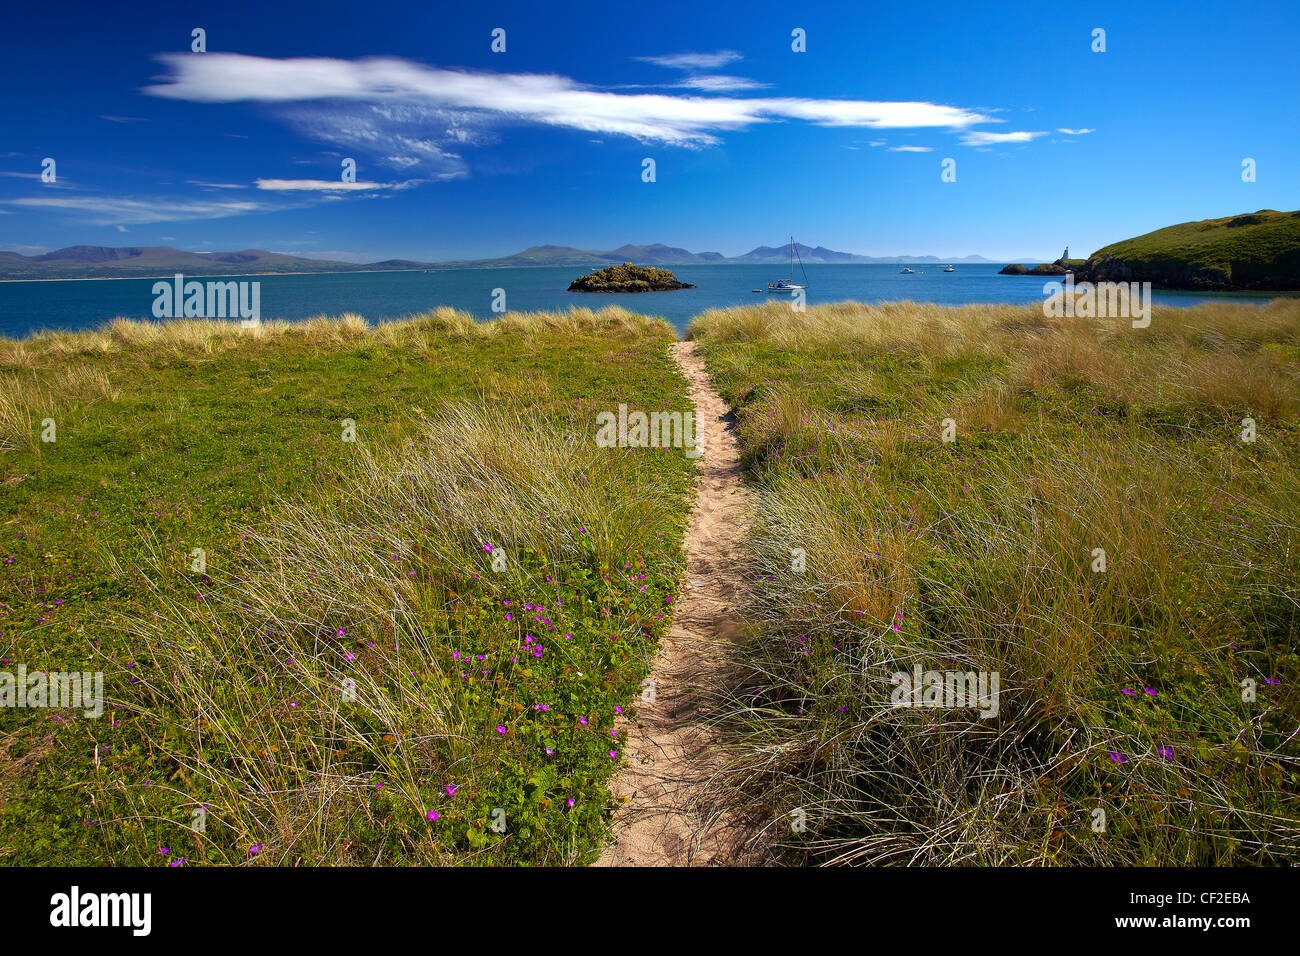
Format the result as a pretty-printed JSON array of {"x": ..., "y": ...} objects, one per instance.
[{"x": 668, "y": 819}]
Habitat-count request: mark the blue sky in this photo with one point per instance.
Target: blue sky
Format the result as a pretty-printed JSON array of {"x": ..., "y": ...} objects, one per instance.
[{"x": 462, "y": 152}]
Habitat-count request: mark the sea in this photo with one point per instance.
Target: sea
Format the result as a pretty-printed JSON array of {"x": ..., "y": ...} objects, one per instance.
[{"x": 78, "y": 304}]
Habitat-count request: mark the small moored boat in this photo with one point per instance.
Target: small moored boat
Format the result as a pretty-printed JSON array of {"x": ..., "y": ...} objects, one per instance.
[{"x": 789, "y": 285}]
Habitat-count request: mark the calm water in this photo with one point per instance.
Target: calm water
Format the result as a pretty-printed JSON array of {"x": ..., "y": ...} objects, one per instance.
[{"x": 26, "y": 307}]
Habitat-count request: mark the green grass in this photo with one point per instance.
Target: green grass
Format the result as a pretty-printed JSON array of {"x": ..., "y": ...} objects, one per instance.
[
  {"x": 1256, "y": 250},
  {"x": 1120, "y": 690},
  {"x": 279, "y": 690}
]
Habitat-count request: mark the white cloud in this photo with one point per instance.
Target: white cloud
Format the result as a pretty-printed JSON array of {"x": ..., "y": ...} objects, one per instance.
[
  {"x": 324, "y": 185},
  {"x": 911, "y": 149},
  {"x": 982, "y": 138},
  {"x": 867, "y": 113},
  {"x": 421, "y": 94},
  {"x": 106, "y": 211},
  {"x": 718, "y": 83},
  {"x": 198, "y": 182},
  {"x": 1075, "y": 132},
  {"x": 693, "y": 61}
]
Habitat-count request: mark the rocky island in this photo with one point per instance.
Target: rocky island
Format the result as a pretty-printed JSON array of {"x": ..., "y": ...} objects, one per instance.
[
  {"x": 1058, "y": 268},
  {"x": 628, "y": 278}
]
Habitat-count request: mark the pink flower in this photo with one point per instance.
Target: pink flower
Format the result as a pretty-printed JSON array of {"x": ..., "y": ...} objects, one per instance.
[{"x": 432, "y": 814}]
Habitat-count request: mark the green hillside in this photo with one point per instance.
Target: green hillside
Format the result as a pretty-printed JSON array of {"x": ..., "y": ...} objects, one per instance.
[{"x": 1260, "y": 250}]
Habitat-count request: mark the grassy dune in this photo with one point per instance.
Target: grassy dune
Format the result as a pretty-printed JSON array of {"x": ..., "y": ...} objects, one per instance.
[
  {"x": 1160, "y": 690},
  {"x": 392, "y": 643},
  {"x": 1259, "y": 250}
]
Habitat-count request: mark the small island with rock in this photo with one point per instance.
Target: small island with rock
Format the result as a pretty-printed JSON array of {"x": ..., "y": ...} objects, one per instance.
[
  {"x": 628, "y": 278},
  {"x": 1058, "y": 268}
]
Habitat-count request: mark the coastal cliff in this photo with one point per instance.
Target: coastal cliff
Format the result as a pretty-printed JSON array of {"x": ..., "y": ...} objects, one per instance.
[{"x": 1257, "y": 251}]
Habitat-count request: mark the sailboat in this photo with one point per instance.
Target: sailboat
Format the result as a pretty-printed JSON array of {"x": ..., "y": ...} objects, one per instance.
[
  {"x": 949, "y": 269},
  {"x": 789, "y": 285}
]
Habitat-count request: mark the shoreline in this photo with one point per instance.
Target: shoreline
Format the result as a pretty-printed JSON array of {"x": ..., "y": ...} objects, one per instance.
[{"x": 221, "y": 275}]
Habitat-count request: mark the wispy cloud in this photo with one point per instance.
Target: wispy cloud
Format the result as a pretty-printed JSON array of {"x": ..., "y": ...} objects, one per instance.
[
  {"x": 106, "y": 211},
  {"x": 421, "y": 101},
  {"x": 911, "y": 149},
  {"x": 198, "y": 182},
  {"x": 1075, "y": 132},
  {"x": 981, "y": 138},
  {"x": 693, "y": 61},
  {"x": 719, "y": 83},
  {"x": 327, "y": 185}
]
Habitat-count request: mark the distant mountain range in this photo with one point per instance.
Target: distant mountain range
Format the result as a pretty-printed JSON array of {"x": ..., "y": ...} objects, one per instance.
[{"x": 87, "y": 262}]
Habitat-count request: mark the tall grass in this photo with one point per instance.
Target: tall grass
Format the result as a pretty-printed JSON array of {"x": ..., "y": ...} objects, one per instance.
[
  {"x": 191, "y": 336},
  {"x": 354, "y": 676},
  {"x": 311, "y": 674},
  {"x": 1120, "y": 690}
]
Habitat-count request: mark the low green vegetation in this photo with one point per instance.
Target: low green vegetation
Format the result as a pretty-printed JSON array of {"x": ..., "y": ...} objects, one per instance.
[
  {"x": 1259, "y": 250},
  {"x": 628, "y": 278},
  {"x": 410, "y": 647},
  {"x": 1102, "y": 533}
]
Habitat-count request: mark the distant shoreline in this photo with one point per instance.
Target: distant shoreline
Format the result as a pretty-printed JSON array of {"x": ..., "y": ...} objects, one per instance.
[
  {"x": 221, "y": 275},
  {"x": 472, "y": 268}
]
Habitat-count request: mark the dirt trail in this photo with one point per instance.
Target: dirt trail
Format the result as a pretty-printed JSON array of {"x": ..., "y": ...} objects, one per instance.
[{"x": 666, "y": 821}]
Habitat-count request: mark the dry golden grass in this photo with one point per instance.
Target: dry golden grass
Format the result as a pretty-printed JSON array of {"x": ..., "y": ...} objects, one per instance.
[
  {"x": 211, "y": 335},
  {"x": 1073, "y": 435},
  {"x": 1231, "y": 355}
]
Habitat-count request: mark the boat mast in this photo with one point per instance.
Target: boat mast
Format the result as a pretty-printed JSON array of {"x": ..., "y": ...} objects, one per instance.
[{"x": 793, "y": 253}]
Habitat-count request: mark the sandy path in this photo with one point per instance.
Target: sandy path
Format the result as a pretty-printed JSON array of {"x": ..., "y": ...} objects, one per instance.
[{"x": 666, "y": 820}]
